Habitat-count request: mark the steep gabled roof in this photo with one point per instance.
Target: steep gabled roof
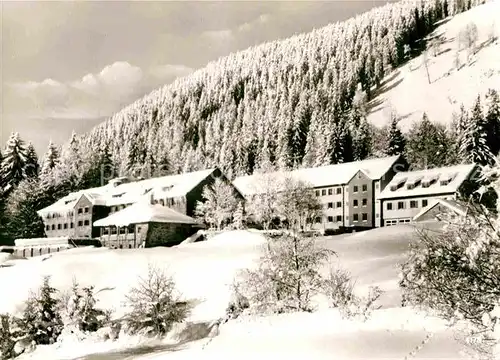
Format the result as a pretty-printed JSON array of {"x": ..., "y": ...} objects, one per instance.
[
  {"x": 323, "y": 176},
  {"x": 444, "y": 180}
]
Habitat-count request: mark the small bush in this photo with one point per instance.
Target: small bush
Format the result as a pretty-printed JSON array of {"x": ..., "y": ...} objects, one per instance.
[
  {"x": 7, "y": 337},
  {"x": 339, "y": 288},
  {"x": 41, "y": 319},
  {"x": 82, "y": 310},
  {"x": 287, "y": 276},
  {"x": 456, "y": 272},
  {"x": 155, "y": 306},
  {"x": 238, "y": 303}
]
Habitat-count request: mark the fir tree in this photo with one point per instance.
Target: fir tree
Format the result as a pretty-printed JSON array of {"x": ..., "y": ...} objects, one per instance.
[
  {"x": 397, "y": 140},
  {"x": 428, "y": 145},
  {"x": 239, "y": 216},
  {"x": 50, "y": 160},
  {"x": 48, "y": 322},
  {"x": 22, "y": 206},
  {"x": 13, "y": 163},
  {"x": 362, "y": 141},
  {"x": 473, "y": 146},
  {"x": 31, "y": 167},
  {"x": 492, "y": 125}
]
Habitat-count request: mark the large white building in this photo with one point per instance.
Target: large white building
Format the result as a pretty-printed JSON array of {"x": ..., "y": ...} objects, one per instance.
[
  {"x": 408, "y": 193},
  {"x": 347, "y": 191}
]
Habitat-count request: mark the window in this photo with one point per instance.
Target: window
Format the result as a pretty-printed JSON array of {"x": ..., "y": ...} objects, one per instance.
[
  {"x": 162, "y": 202},
  {"x": 330, "y": 191},
  {"x": 355, "y": 202},
  {"x": 318, "y": 193},
  {"x": 365, "y": 217},
  {"x": 339, "y": 204},
  {"x": 339, "y": 218},
  {"x": 365, "y": 188},
  {"x": 413, "y": 204},
  {"x": 377, "y": 215},
  {"x": 330, "y": 205},
  {"x": 330, "y": 218},
  {"x": 318, "y": 220},
  {"x": 53, "y": 227},
  {"x": 364, "y": 202},
  {"x": 323, "y": 192},
  {"x": 80, "y": 223},
  {"x": 47, "y": 227},
  {"x": 355, "y": 188},
  {"x": 401, "y": 205},
  {"x": 339, "y": 191},
  {"x": 376, "y": 185},
  {"x": 80, "y": 211},
  {"x": 87, "y": 223},
  {"x": 66, "y": 225},
  {"x": 424, "y": 203},
  {"x": 355, "y": 217},
  {"x": 86, "y": 209},
  {"x": 389, "y": 206},
  {"x": 72, "y": 225}
]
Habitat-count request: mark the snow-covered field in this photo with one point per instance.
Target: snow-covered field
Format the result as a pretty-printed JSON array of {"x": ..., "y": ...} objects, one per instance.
[
  {"x": 204, "y": 271},
  {"x": 408, "y": 91}
]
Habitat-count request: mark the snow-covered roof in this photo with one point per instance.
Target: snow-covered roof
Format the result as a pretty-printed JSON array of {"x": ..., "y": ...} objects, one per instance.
[
  {"x": 143, "y": 212},
  {"x": 323, "y": 176},
  {"x": 453, "y": 205},
  {"x": 129, "y": 192},
  {"x": 62, "y": 240},
  {"x": 445, "y": 180}
]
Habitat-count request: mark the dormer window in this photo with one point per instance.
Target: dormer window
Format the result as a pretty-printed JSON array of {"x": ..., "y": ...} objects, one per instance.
[
  {"x": 447, "y": 179},
  {"x": 398, "y": 185}
]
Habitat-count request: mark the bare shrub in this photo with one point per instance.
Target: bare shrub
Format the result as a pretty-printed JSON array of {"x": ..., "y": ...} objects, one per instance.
[
  {"x": 467, "y": 39},
  {"x": 287, "y": 275},
  {"x": 155, "y": 304},
  {"x": 339, "y": 288}
]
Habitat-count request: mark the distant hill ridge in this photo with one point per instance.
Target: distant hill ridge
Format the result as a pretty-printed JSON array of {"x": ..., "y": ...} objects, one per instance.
[{"x": 287, "y": 103}]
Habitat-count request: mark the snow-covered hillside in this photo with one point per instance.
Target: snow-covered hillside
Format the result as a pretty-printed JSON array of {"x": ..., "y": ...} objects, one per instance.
[{"x": 407, "y": 89}]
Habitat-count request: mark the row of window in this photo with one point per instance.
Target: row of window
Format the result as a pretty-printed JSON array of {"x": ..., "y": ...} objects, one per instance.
[
  {"x": 338, "y": 204},
  {"x": 123, "y": 230},
  {"x": 338, "y": 218},
  {"x": 395, "y": 222},
  {"x": 401, "y": 205},
  {"x": 65, "y": 225},
  {"x": 84, "y": 210},
  {"x": 338, "y": 190}
]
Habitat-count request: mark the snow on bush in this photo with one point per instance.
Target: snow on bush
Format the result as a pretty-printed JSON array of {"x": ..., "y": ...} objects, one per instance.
[
  {"x": 155, "y": 305},
  {"x": 287, "y": 275}
]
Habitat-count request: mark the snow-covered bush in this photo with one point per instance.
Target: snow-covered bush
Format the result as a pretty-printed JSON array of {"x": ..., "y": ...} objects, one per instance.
[
  {"x": 287, "y": 275},
  {"x": 237, "y": 304},
  {"x": 82, "y": 311},
  {"x": 155, "y": 305},
  {"x": 339, "y": 288},
  {"x": 41, "y": 319},
  {"x": 457, "y": 271},
  {"x": 7, "y": 337}
]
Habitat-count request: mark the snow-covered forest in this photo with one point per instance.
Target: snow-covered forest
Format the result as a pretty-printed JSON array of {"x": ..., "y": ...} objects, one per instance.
[{"x": 289, "y": 103}]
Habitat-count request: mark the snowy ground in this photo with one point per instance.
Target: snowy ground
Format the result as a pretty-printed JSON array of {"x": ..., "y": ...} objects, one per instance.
[
  {"x": 408, "y": 91},
  {"x": 204, "y": 271}
]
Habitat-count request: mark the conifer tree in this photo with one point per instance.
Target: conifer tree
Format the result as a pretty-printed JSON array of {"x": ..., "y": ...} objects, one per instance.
[
  {"x": 13, "y": 163},
  {"x": 492, "y": 117},
  {"x": 362, "y": 141},
  {"x": 428, "y": 145},
  {"x": 31, "y": 167},
  {"x": 397, "y": 140},
  {"x": 474, "y": 147},
  {"x": 22, "y": 206},
  {"x": 238, "y": 217},
  {"x": 50, "y": 159}
]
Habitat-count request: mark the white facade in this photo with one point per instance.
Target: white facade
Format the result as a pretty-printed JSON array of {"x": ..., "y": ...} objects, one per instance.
[{"x": 409, "y": 192}]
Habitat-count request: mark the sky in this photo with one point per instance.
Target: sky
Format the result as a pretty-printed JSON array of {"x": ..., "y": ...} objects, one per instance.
[{"x": 67, "y": 66}]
